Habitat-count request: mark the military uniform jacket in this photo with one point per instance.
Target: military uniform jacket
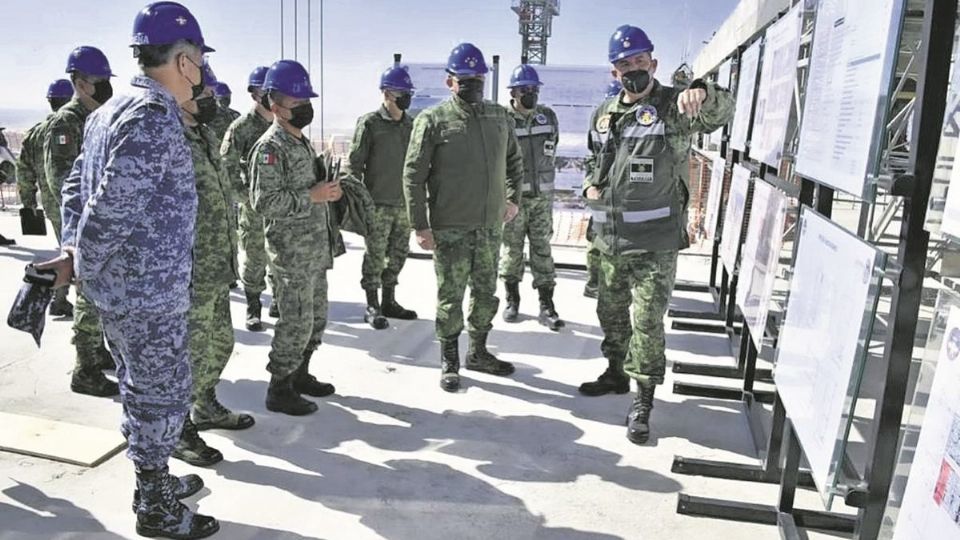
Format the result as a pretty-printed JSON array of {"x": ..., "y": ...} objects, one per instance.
[
  {"x": 462, "y": 166},
  {"x": 30, "y": 174},
  {"x": 238, "y": 141},
  {"x": 377, "y": 152},
  {"x": 215, "y": 240},
  {"x": 537, "y": 133},
  {"x": 282, "y": 171},
  {"x": 130, "y": 205},
  {"x": 222, "y": 121},
  {"x": 62, "y": 142},
  {"x": 639, "y": 160}
]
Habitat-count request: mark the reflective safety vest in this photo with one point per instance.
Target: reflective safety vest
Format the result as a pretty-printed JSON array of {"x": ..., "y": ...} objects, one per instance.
[{"x": 538, "y": 134}]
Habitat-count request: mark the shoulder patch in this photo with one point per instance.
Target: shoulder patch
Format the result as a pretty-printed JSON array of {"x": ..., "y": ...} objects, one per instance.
[
  {"x": 603, "y": 123},
  {"x": 268, "y": 157}
]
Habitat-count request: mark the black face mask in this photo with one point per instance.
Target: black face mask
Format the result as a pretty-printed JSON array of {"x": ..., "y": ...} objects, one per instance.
[
  {"x": 224, "y": 102},
  {"x": 196, "y": 89},
  {"x": 302, "y": 115},
  {"x": 403, "y": 101},
  {"x": 206, "y": 110},
  {"x": 102, "y": 91},
  {"x": 471, "y": 90},
  {"x": 57, "y": 102},
  {"x": 264, "y": 102},
  {"x": 529, "y": 101},
  {"x": 635, "y": 81}
]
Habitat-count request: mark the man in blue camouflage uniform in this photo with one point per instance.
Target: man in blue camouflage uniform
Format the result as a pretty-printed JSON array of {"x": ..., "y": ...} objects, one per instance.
[
  {"x": 638, "y": 193},
  {"x": 129, "y": 208}
]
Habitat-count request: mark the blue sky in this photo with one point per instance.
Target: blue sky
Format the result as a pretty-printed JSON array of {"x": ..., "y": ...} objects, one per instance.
[{"x": 359, "y": 39}]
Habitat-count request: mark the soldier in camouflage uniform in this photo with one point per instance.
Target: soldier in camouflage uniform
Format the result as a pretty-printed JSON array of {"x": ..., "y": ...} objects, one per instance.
[
  {"x": 225, "y": 116},
  {"x": 214, "y": 267},
  {"x": 593, "y": 254},
  {"x": 31, "y": 178},
  {"x": 462, "y": 179},
  {"x": 638, "y": 193},
  {"x": 376, "y": 157},
  {"x": 235, "y": 151},
  {"x": 537, "y": 133},
  {"x": 90, "y": 74},
  {"x": 223, "y": 95},
  {"x": 129, "y": 209},
  {"x": 287, "y": 190}
]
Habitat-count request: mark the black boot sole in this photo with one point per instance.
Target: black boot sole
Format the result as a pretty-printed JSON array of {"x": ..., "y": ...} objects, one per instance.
[
  {"x": 154, "y": 533},
  {"x": 377, "y": 323},
  {"x": 552, "y": 325},
  {"x": 199, "y": 462},
  {"x": 618, "y": 390},
  {"x": 246, "y": 422},
  {"x": 452, "y": 387},
  {"x": 412, "y": 316},
  {"x": 298, "y": 411},
  {"x": 108, "y": 391},
  {"x": 258, "y": 327}
]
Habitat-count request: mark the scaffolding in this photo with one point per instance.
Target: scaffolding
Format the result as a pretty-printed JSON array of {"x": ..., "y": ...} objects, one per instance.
[{"x": 536, "y": 22}]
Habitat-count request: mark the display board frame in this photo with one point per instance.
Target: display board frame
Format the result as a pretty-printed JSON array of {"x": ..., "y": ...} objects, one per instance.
[
  {"x": 747, "y": 82},
  {"x": 860, "y": 179},
  {"x": 714, "y": 196},
  {"x": 808, "y": 379},
  {"x": 734, "y": 216}
]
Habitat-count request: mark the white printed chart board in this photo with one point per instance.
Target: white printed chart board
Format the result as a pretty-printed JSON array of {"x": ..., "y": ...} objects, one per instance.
[
  {"x": 733, "y": 217},
  {"x": 821, "y": 346},
  {"x": 760, "y": 256},
  {"x": 746, "y": 85},
  {"x": 778, "y": 79},
  {"x": 713, "y": 198},
  {"x": 930, "y": 508},
  {"x": 951, "y": 209},
  {"x": 851, "y": 65}
]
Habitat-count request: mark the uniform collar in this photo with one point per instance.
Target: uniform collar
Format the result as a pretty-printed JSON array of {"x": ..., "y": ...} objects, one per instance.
[
  {"x": 385, "y": 114},
  {"x": 142, "y": 81}
]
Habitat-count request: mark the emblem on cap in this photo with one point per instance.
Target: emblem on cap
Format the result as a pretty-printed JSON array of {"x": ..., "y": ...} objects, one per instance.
[
  {"x": 647, "y": 115},
  {"x": 181, "y": 20},
  {"x": 472, "y": 62},
  {"x": 626, "y": 43}
]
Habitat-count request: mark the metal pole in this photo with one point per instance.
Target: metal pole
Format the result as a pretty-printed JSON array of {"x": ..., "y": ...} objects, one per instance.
[
  {"x": 282, "y": 51},
  {"x": 310, "y": 53},
  {"x": 296, "y": 27},
  {"x": 496, "y": 77},
  {"x": 322, "y": 80}
]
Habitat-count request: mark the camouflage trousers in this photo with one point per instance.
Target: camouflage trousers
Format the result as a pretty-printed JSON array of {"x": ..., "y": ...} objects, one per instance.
[
  {"x": 387, "y": 247},
  {"x": 302, "y": 299},
  {"x": 646, "y": 280},
  {"x": 211, "y": 337},
  {"x": 88, "y": 333},
  {"x": 52, "y": 210},
  {"x": 593, "y": 266},
  {"x": 253, "y": 245},
  {"x": 153, "y": 368},
  {"x": 534, "y": 221},
  {"x": 465, "y": 257}
]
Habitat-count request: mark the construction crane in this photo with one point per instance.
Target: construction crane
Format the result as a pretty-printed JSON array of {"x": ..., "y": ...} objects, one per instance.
[{"x": 536, "y": 22}]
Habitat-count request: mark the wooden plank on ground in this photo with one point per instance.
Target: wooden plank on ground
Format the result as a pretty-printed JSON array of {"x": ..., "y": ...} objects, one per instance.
[{"x": 59, "y": 441}]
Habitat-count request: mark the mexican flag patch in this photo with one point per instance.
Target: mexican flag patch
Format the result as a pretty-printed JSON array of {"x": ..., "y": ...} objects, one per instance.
[{"x": 268, "y": 158}]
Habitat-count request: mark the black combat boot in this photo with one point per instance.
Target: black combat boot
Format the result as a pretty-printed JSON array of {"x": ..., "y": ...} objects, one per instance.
[
  {"x": 548, "y": 313},
  {"x": 104, "y": 358},
  {"x": 611, "y": 381},
  {"x": 209, "y": 413},
  {"x": 511, "y": 311},
  {"x": 392, "y": 309},
  {"x": 305, "y": 383},
  {"x": 61, "y": 307},
  {"x": 372, "y": 315},
  {"x": 274, "y": 311},
  {"x": 254, "y": 307},
  {"x": 450, "y": 365},
  {"x": 592, "y": 287},
  {"x": 192, "y": 449},
  {"x": 87, "y": 376},
  {"x": 638, "y": 420},
  {"x": 4, "y": 241},
  {"x": 480, "y": 359},
  {"x": 160, "y": 514},
  {"x": 181, "y": 486},
  {"x": 282, "y": 398}
]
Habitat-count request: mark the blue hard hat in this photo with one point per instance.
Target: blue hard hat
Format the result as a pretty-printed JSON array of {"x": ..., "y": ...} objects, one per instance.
[
  {"x": 221, "y": 89},
  {"x": 60, "y": 88},
  {"x": 163, "y": 23},
  {"x": 256, "y": 77},
  {"x": 396, "y": 78},
  {"x": 524, "y": 75},
  {"x": 90, "y": 61},
  {"x": 628, "y": 41},
  {"x": 466, "y": 60},
  {"x": 289, "y": 78},
  {"x": 614, "y": 88},
  {"x": 209, "y": 77}
]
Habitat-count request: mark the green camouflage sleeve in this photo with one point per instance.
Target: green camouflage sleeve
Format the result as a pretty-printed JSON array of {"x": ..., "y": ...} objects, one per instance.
[
  {"x": 359, "y": 149},
  {"x": 270, "y": 194},
  {"x": 230, "y": 158},
  {"x": 26, "y": 179},
  {"x": 593, "y": 147},
  {"x": 717, "y": 109},
  {"x": 514, "y": 166},
  {"x": 61, "y": 146},
  {"x": 416, "y": 169}
]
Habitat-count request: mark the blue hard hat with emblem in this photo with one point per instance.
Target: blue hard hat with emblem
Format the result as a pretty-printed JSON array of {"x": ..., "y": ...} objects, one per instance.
[
  {"x": 209, "y": 77},
  {"x": 524, "y": 75},
  {"x": 60, "y": 88},
  {"x": 257, "y": 76},
  {"x": 627, "y": 41},
  {"x": 396, "y": 78},
  {"x": 289, "y": 78},
  {"x": 614, "y": 88},
  {"x": 163, "y": 23},
  {"x": 466, "y": 60},
  {"x": 221, "y": 89},
  {"x": 90, "y": 61}
]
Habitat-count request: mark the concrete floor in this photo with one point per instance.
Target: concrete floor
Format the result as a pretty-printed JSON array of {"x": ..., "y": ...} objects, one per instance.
[{"x": 391, "y": 455}]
